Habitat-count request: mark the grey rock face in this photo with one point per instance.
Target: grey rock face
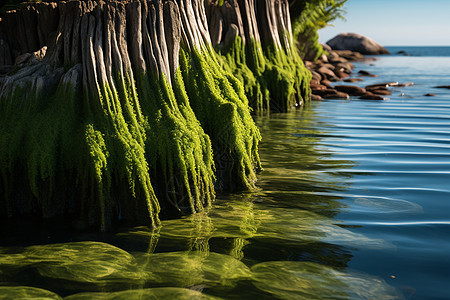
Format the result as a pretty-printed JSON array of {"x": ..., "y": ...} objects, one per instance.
[{"x": 358, "y": 43}]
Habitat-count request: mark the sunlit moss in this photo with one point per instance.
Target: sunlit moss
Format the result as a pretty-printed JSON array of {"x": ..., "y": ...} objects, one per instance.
[
  {"x": 220, "y": 104},
  {"x": 274, "y": 79},
  {"x": 154, "y": 293},
  {"x": 26, "y": 292},
  {"x": 179, "y": 150},
  {"x": 185, "y": 269},
  {"x": 307, "y": 280}
]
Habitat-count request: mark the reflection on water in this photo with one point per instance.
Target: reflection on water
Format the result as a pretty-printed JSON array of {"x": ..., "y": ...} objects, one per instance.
[{"x": 279, "y": 242}]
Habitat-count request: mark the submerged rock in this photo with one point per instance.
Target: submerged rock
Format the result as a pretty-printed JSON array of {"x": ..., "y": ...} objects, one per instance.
[
  {"x": 26, "y": 292},
  {"x": 308, "y": 280},
  {"x": 358, "y": 43},
  {"x": 139, "y": 294}
]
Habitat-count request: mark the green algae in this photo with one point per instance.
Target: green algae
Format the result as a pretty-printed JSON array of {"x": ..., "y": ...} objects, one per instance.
[
  {"x": 96, "y": 266},
  {"x": 153, "y": 293},
  {"x": 91, "y": 266},
  {"x": 308, "y": 280},
  {"x": 273, "y": 79},
  {"x": 26, "y": 292},
  {"x": 179, "y": 150},
  {"x": 190, "y": 268},
  {"x": 128, "y": 148},
  {"x": 220, "y": 104}
]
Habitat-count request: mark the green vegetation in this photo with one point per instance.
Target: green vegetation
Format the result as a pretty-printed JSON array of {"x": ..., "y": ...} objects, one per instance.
[
  {"x": 308, "y": 17},
  {"x": 127, "y": 150},
  {"x": 220, "y": 104},
  {"x": 125, "y": 147},
  {"x": 274, "y": 79}
]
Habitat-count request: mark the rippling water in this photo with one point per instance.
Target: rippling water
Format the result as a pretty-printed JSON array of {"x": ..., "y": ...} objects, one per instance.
[{"x": 354, "y": 203}]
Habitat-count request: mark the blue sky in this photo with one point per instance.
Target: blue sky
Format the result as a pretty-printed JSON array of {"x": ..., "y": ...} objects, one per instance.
[{"x": 395, "y": 22}]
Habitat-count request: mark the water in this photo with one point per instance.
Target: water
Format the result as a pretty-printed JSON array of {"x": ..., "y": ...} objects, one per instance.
[
  {"x": 354, "y": 203},
  {"x": 436, "y": 51}
]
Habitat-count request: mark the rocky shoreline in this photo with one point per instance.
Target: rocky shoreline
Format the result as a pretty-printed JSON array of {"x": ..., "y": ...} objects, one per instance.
[{"x": 337, "y": 66}]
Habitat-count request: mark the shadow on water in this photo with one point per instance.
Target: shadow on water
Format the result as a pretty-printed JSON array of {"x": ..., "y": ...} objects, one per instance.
[{"x": 279, "y": 242}]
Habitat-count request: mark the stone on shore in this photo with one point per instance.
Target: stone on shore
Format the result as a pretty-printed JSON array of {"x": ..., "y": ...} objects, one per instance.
[
  {"x": 351, "y": 90},
  {"x": 316, "y": 97},
  {"x": 331, "y": 94},
  {"x": 358, "y": 43},
  {"x": 366, "y": 73},
  {"x": 381, "y": 92},
  {"x": 370, "y": 96},
  {"x": 382, "y": 84},
  {"x": 351, "y": 80}
]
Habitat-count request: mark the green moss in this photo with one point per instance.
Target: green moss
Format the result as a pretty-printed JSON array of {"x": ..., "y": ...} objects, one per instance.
[
  {"x": 273, "y": 79},
  {"x": 177, "y": 147},
  {"x": 219, "y": 102}
]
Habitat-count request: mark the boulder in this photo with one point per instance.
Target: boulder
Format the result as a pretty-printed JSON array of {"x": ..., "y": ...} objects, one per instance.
[{"x": 358, "y": 43}]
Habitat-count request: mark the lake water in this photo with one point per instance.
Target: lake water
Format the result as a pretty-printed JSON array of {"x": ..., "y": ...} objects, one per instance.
[{"x": 353, "y": 203}]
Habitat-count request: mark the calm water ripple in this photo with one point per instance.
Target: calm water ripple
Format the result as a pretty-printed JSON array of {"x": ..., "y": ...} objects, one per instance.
[{"x": 386, "y": 167}]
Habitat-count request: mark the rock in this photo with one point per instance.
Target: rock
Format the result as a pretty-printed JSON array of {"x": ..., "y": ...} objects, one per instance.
[
  {"x": 314, "y": 82},
  {"x": 324, "y": 58},
  {"x": 358, "y": 43},
  {"x": 336, "y": 95},
  {"x": 350, "y": 55},
  {"x": 370, "y": 96},
  {"x": 345, "y": 67},
  {"x": 316, "y": 76},
  {"x": 374, "y": 88},
  {"x": 382, "y": 85},
  {"x": 331, "y": 94},
  {"x": 352, "y": 80},
  {"x": 337, "y": 60},
  {"x": 315, "y": 97},
  {"x": 366, "y": 73},
  {"x": 341, "y": 75},
  {"x": 430, "y": 95},
  {"x": 405, "y": 84},
  {"x": 381, "y": 92},
  {"x": 326, "y": 73},
  {"x": 351, "y": 90},
  {"x": 316, "y": 87},
  {"x": 328, "y": 66},
  {"x": 443, "y": 87},
  {"x": 326, "y": 48},
  {"x": 326, "y": 83}
]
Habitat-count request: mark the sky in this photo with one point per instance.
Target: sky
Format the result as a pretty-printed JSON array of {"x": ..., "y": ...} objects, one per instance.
[{"x": 395, "y": 22}]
